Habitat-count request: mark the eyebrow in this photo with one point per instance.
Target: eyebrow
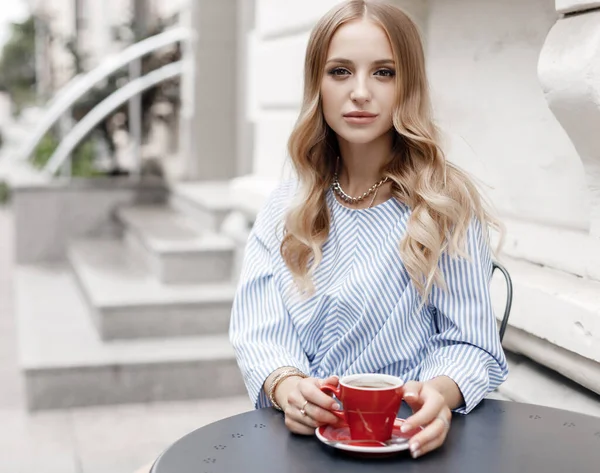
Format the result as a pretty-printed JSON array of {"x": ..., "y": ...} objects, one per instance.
[{"x": 379, "y": 62}]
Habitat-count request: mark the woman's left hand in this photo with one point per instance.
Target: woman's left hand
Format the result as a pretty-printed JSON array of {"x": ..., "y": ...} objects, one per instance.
[{"x": 431, "y": 412}]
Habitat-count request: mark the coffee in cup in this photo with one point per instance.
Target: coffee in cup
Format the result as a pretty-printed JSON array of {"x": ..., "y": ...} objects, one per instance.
[{"x": 370, "y": 404}]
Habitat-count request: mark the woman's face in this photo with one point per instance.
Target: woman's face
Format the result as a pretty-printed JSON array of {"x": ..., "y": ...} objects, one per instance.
[{"x": 358, "y": 90}]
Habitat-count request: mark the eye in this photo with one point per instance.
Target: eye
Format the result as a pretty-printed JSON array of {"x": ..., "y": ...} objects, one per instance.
[
  {"x": 339, "y": 71},
  {"x": 385, "y": 72}
]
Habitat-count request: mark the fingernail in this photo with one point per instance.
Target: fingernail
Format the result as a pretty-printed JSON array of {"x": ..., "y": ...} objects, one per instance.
[
  {"x": 414, "y": 447},
  {"x": 406, "y": 428},
  {"x": 410, "y": 395},
  {"x": 336, "y": 406},
  {"x": 416, "y": 454}
]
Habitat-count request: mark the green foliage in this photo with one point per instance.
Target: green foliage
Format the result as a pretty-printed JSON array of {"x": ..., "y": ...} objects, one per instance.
[
  {"x": 17, "y": 64},
  {"x": 82, "y": 159},
  {"x": 44, "y": 150},
  {"x": 4, "y": 193}
]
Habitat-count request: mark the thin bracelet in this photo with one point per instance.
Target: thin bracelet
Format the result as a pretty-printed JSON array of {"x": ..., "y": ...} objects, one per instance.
[{"x": 278, "y": 379}]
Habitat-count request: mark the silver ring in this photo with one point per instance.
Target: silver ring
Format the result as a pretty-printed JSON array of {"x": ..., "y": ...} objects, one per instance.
[
  {"x": 303, "y": 411},
  {"x": 445, "y": 421}
]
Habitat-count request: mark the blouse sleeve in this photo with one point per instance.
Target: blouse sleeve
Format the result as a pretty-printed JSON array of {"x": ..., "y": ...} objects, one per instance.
[
  {"x": 261, "y": 330},
  {"x": 466, "y": 347}
]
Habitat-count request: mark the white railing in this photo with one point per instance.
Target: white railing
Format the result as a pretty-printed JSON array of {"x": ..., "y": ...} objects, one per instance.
[
  {"x": 104, "y": 109},
  {"x": 82, "y": 84}
]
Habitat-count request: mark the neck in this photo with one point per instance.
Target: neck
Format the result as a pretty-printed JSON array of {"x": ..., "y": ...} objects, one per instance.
[{"x": 361, "y": 164}]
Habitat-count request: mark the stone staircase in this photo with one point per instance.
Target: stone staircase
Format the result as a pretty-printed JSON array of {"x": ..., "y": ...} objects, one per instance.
[{"x": 138, "y": 318}]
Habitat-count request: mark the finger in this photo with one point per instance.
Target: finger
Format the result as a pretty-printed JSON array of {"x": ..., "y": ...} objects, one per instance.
[
  {"x": 309, "y": 390},
  {"x": 331, "y": 381},
  {"x": 298, "y": 428},
  {"x": 412, "y": 394},
  {"x": 319, "y": 415},
  {"x": 335, "y": 380},
  {"x": 429, "y": 447},
  {"x": 430, "y": 409},
  {"x": 314, "y": 416},
  {"x": 293, "y": 413},
  {"x": 312, "y": 392},
  {"x": 430, "y": 438}
]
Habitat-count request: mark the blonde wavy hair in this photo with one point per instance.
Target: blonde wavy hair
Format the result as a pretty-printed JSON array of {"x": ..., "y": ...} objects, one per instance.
[{"x": 443, "y": 198}]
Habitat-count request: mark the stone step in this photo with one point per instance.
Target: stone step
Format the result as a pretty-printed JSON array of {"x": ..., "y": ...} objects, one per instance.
[
  {"x": 174, "y": 248},
  {"x": 533, "y": 383},
  {"x": 129, "y": 303},
  {"x": 560, "y": 314},
  {"x": 206, "y": 202},
  {"x": 65, "y": 364}
]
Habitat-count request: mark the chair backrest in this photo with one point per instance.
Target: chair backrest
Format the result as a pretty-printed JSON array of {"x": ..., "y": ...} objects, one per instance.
[{"x": 509, "y": 295}]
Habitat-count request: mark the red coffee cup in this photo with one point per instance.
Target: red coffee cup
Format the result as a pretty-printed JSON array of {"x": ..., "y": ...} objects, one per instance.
[{"x": 370, "y": 404}]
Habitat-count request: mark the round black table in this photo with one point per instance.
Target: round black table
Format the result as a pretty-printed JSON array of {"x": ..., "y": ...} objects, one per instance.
[{"x": 497, "y": 437}]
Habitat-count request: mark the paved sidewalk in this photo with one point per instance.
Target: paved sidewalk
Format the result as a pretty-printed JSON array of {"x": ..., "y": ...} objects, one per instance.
[{"x": 114, "y": 439}]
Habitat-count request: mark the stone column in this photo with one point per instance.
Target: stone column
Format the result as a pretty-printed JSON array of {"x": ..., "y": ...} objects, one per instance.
[
  {"x": 245, "y": 128},
  {"x": 209, "y": 92},
  {"x": 569, "y": 72}
]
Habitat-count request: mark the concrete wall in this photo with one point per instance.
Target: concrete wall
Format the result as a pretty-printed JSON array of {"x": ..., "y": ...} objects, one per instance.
[
  {"x": 495, "y": 67},
  {"x": 483, "y": 57},
  {"x": 47, "y": 216}
]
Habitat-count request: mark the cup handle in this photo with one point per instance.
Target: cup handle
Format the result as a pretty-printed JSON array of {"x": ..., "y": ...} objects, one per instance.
[{"x": 329, "y": 389}]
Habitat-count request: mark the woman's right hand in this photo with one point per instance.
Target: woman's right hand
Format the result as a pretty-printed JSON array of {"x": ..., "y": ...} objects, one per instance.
[{"x": 306, "y": 407}]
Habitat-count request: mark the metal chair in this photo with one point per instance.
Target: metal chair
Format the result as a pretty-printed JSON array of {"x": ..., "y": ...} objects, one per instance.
[{"x": 509, "y": 295}]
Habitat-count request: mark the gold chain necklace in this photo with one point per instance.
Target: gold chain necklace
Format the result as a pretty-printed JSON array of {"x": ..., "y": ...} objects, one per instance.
[
  {"x": 355, "y": 200},
  {"x": 373, "y": 199}
]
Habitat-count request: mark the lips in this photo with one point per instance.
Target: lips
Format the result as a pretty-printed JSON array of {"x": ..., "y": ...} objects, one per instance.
[{"x": 360, "y": 117}]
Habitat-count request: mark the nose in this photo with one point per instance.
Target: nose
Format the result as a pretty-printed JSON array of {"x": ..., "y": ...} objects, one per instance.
[{"x": 360, "y": 92}]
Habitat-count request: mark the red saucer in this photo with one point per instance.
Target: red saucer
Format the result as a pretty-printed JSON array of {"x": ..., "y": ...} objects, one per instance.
[{"x": 336, "y": 435}]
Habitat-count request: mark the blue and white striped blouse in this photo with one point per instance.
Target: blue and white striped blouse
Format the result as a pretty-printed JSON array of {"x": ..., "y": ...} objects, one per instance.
[{"x": 364, "y": 315}]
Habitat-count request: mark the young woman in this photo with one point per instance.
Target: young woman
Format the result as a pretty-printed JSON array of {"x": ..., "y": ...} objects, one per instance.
[{"x": 376, "y": 258}]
